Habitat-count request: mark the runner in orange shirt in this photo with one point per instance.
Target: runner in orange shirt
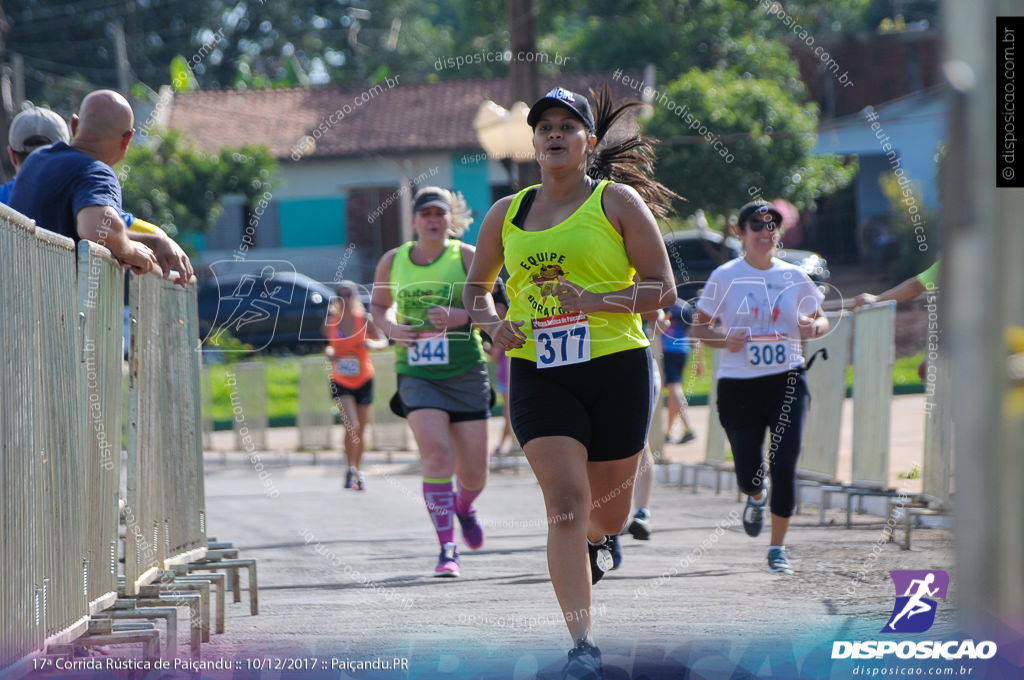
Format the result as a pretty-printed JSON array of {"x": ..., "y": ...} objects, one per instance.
[{"x": 351, "y": 333}]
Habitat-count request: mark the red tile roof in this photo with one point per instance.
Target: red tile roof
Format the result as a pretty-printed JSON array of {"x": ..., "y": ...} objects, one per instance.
[{"x": 406, "y": 118}]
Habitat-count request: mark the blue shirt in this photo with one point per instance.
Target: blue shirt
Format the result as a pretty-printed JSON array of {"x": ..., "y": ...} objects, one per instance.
[
  {"x": 56, "y": 182},
  {"x": 5, "y": 198},
  {"x": 5, "y": 192},
  {"x": 676, "y": 338}
]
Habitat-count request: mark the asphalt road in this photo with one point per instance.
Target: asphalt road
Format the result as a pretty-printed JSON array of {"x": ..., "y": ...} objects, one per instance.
[{"x": 348, "y": 575}]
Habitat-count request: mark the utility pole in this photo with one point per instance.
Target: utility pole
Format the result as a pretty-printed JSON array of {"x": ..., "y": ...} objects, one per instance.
[
  {"x": 133, "y": 34},
  {"x": 18, "y": 66},
  {"x": 121, "y": 55},
  {"x": 522, "y": 37},
  {"x": 7, "y": 111}
]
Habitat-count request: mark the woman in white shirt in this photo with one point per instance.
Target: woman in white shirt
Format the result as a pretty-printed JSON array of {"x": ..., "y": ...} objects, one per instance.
[{"x": 759, "y": 309}]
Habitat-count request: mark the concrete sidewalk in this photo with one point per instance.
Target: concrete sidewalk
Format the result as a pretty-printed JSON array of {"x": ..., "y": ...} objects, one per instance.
[{"x": 906, "y": 441}]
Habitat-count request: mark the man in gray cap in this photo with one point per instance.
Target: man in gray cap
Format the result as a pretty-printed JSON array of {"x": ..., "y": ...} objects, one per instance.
[
  {"x": 31, "y": 129},
  {"x": 72, "y": 189}
]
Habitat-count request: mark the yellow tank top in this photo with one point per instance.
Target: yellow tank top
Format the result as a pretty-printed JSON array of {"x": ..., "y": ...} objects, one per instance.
[{"x": 584, "y": 249}]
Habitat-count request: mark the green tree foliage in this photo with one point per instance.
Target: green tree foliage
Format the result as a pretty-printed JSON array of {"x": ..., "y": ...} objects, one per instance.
[
  {"x": 768, "y": 133},
  {"x": 69, "y": 45},
  {"x": 180, "y": 188},
  {"x": 907, "y": 213},
  {"x": 256, "y": 43},
  {"x": 227, "y": 43},
  {"x": 739, "y": 36}
]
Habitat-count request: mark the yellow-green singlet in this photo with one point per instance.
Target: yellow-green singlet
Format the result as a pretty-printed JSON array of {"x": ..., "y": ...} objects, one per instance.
[
  {"x": 416, "y": 288},
  {"x": 586, "y": 250}
]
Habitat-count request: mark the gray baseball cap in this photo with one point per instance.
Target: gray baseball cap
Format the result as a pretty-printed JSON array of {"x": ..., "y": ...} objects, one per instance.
[{"x": 36, "y": 127}]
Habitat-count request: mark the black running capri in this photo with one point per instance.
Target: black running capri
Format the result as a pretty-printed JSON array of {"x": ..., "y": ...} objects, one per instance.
[{"x": 776, "y": 405}]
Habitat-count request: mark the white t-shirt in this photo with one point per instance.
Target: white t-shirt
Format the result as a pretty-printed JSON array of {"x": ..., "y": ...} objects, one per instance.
[{"x": 768, "y": 304}]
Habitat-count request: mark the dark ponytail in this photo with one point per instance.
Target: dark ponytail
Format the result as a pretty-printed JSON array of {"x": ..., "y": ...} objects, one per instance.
[{"x": 630, "y": 160}]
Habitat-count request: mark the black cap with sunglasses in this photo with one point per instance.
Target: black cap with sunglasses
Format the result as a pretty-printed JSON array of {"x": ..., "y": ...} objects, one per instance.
[{"x": 759, "y": 208}]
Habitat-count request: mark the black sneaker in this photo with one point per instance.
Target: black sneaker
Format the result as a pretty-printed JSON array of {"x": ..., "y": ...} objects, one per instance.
[
  {"x": 753, "y": 515},
  {"x": 688, "y": 436},
  {"x": 584, "y": 662},
  {"x": 600, "y": 560},
  {"x": 640, "y": 527}
]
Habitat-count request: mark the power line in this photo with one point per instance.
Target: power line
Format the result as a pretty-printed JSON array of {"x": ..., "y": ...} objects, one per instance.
[
  {"x": 107, "y": 9},
  {"x": 66, "y": 68}
]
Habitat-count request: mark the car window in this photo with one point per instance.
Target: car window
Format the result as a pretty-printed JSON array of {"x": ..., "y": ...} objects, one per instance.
[{"x": 691, "y": 250}]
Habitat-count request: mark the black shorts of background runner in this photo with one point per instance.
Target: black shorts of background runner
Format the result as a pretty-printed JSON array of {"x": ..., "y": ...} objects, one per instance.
[
  {"x": 674, "y": 364},
  {"x": 746, "y": 406},
  {"x": 604, "y": 403},
  {"x": 363, "y": 393}
]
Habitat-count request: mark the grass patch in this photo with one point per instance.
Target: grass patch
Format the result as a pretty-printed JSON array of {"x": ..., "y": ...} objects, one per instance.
[
  {"x": 283, "y": 383},
  {"x": 904, "y": 374},
  {"x": 282, "y": 388}
]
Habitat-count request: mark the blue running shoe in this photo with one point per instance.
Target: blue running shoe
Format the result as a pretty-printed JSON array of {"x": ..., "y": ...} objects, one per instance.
[
  {"x": 616, "y": 550},
  {"x": 778, "y": 561}
]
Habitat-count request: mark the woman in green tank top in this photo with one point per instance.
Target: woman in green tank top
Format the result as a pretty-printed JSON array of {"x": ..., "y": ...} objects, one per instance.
[
  {"x": 442, "y": 379},
  {"x": 585, "y": 258}
]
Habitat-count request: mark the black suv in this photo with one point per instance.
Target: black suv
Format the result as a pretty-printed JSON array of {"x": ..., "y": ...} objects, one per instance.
[{"x": 270, "y": 310}]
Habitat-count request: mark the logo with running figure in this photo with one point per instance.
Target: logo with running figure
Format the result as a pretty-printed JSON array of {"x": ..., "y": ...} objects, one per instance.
[{"x": 914, "y": 611}]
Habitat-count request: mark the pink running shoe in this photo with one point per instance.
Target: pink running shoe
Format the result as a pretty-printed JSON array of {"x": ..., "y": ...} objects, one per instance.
[{"x": 448, "y": 562}]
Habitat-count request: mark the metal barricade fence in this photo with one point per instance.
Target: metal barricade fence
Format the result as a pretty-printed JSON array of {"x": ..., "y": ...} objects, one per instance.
[
  {"x": 184, "y": 521},
  {"x": 21, "y": 630},
  {"x": 61, "y": 387},
  {"x": 249, "y": 404},
  {"x": 874, "y": 353},
  {"x": 316, "y": 411},
  {"x": 206, "y": 391},
  {"x": 819, "y": 458},
  {"x": 60, "y": 440},
  {"x": 656, "y": 427},
  {"x": 100, "y": 303},
  {"x": 387, "y": 431},
  {"x": 937, "y": 471},
  {"x": 144, "y": 504},
  {"x": 714, "y": 451}
]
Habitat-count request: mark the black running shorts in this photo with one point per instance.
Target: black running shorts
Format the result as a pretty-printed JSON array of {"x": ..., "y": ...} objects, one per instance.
[
  {"x": 363, "y": 394},
  {"x": 604, "y": 403}
]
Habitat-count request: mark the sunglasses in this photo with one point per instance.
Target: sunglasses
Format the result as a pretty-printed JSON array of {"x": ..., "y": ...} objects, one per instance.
[{"x": 757, "y": 225}]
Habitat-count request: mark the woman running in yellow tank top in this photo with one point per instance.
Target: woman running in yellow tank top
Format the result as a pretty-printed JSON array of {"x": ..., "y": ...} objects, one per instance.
[{"x": 585, "y": 259}]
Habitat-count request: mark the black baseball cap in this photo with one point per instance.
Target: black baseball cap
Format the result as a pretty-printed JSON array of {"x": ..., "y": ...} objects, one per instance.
[
  {"x": 560, "y": 96},
  {"x": 760, "y": 207},
  {"x": 430, "y": 197}
]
